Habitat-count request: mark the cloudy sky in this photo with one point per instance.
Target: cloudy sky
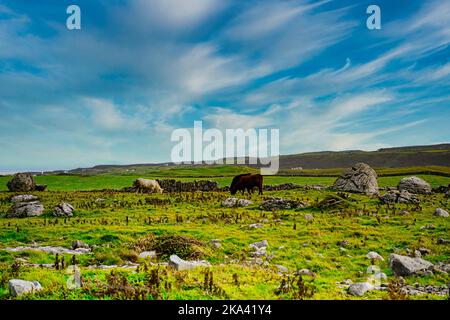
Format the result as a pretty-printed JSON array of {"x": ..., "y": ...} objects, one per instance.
[{"x": 114, "y": 91}]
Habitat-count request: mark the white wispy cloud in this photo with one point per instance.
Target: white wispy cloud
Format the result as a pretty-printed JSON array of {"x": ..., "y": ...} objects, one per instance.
[{"x": 107, "y": 115}]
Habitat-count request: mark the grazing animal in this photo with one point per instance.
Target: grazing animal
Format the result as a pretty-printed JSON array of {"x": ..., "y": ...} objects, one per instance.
[
  {"x": 148, "y": 186},
  {"x": 247, "y": 182}
]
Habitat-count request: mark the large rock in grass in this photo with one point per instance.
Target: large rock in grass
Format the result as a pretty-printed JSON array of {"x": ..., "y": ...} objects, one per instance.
[
  {"x": 372, "y": 255},
  {"x": 414, "y": 185},
  {"x": 179, "y": 264},
  {"x": 281, "y": 204},
  {"x": 360, "y": 178},
  {"x": 19, "y": 287},
  {"x": 21, "y": 182},
  {"x": 359, "y": 289},
  {"x": 441, "y": 213},
  {"x": 403, "y": 196},
  {"x": 24, "y": 198},
  {"x": 63, "y": 210},
  {"x": 235, "y": 202},
  {"x": 259, "y": 244},
  {"x": 25, "y": 209},
  {"x": 147, "y": 255},
  {"x": 77, "y": 244},
  {"x": 406, "y": 266}
]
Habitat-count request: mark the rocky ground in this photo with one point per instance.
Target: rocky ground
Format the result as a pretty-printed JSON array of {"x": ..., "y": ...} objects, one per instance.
[{"x": 291, "y": 243}]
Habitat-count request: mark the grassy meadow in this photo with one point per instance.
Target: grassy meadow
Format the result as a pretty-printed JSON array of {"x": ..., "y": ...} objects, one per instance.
[{"x": 120, "y": 225}]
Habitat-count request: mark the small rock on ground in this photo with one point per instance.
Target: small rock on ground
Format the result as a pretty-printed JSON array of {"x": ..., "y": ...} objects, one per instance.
[
  {"x": 359, "y": 289},
  {"x": 19, "y": 287},
  {"x": 441, "y": 213},
  {"x": 374, "y": 256},
  {"x": 180, "y": 264}
]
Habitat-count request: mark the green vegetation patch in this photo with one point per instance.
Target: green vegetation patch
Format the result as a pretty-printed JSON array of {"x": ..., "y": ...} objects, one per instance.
[{"x": 185, "y": 247}]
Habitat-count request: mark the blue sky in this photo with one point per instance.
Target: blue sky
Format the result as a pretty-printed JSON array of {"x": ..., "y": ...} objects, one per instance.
[{"x": 114, "y": 91}]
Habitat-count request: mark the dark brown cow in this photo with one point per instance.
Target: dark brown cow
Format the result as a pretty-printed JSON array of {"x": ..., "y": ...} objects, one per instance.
[{"x": 247, "y": 182}]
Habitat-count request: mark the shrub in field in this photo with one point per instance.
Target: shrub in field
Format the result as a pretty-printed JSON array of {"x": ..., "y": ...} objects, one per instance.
[
  {"x": 119, "y": 286},
  {"x": 296, "y": 287},
  {"x": 127, "y": 255},
  {"x": 334, "y": 201},
  {"x": 395, "y": 291},
  {"x": 107, "y": 258},
  {"x": 210, "y": 287},
  {"x": 166, "y": 245}
]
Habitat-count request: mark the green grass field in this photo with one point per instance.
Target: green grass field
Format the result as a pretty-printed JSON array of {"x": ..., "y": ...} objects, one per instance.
[
  {"x": 98, "y": 182},
  {"x": 113, "y": 222}
]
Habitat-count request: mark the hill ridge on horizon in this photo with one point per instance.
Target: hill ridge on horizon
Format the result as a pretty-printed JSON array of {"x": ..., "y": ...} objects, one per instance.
[{"x": 407, "y": 156}]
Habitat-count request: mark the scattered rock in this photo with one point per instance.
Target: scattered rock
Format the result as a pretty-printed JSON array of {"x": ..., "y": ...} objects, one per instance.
[
  {"x": 405, "y": 266},
  {"x": 50, "y": 249},
  {"x": 259, "y": 252},
  {"x": 359, "y": 289},
  {"x": 216, "y": 243},
  {"x": 308, "y": 217},
  {"x": 280, "y": 204},
  {"x": 21, "y": 260},
  {"x": 259, "y": 245},
  {"x": 443, "y": 241},
  {"x": 442, "y": 267},
  {"x": 372, "y": 255},
  {"x": 63, "y": 210},
  {"x": 395, "y": 196},
  {"x": 372, "y": 269},
  {"x": 282, "y": 269},
  {"x": 172, "y": 185},
  {"x": 343, "y": 243},
  {"x": 21, "y": 182},
  {"x": 257, "y": 261},
  {"x": 235, "y": 202},
  {"x": 427, "y": 227},
  {"x": 417, "y": 254},
  {"x": 180, "y": 264},
  {"x": 79, "y": 244},
  {"x": 348, "y": 282},
  {"x": 360, "y": 178},
  {"x": 19, "y": 287},
  {"x": 414, "y": 185},
  {"x": 126, "y": 265},
  {"x": 24, "y": 198},
  {"x": 344, "y": 284},
  {"x": 147, "y": 255},
  {"x": 441, "y": 213},
  {"x": 417, "y": 290},
  {"x": 255, "y": 225},
  {"x": 243, "y": 203},
  {"x": 380, "y": 276},
  {"x": 306, "y": 272},
  {"x": 25, "y": 209},
  {"x": 424, "y": 251}
]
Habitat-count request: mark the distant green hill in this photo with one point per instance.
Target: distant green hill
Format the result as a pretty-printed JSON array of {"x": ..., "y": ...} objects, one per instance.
[
  {"x": 416, "y": 156},
  {"x": 432, "y": 159}
]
